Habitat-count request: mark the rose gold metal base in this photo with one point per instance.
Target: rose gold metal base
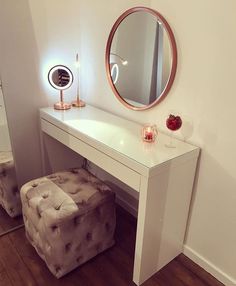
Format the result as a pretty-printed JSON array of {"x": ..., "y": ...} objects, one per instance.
[
  {"x": 78, "y": 103},
  {"x": 62, "y": 106}
]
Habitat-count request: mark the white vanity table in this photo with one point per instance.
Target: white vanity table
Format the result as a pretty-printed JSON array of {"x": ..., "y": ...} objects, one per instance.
[{"x": 163, "y": 176}]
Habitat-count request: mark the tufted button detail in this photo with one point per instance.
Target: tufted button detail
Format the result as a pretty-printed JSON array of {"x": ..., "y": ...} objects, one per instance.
[
  {"x": 79, "y": 259},
  {"x": 62, "y": 180},
  {"x": 34, "y": 185},
  {"x": 84, "y": 181},
  {"x": 54, "y": 227},
  {"x": 68, "y": 247},
  {"x": 45, "y": 196},
  {"x": 81, "y": 203},
  {"x": 57, "y": 208},
  {"x": 77, "y": 220},
  {"x": 89, "y": 236}
]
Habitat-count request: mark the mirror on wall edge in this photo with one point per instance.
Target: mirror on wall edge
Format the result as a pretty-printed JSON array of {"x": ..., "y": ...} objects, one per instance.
[
  {"x": 10, "y": 204},
  {"x": 141, "y": 58}
]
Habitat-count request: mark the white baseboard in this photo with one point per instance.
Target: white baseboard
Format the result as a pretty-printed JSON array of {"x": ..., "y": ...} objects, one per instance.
[{"x": 209, "y": 267}]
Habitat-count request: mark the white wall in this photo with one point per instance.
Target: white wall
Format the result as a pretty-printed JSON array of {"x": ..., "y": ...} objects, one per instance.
[{"x": 203, "y": 92}]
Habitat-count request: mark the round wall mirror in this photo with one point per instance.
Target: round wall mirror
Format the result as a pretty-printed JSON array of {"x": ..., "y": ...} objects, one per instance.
[
  {"x": 141, "y": 58},
  {"x": 60, "y": 77}
]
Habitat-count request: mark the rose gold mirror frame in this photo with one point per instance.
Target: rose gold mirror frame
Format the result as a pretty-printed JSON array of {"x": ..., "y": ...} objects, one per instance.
[{"x": 173, "y": 51}]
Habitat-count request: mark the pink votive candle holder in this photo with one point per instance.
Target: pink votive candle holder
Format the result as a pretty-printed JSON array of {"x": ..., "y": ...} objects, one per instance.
[{"x": 149, "y": 133}]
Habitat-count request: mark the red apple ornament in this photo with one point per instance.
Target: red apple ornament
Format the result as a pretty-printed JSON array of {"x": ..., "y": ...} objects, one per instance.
[{"x": 173, "y": 122}]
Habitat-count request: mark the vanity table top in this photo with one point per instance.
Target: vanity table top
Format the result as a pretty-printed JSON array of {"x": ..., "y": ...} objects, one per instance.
[{"x": 116, "y": 136}]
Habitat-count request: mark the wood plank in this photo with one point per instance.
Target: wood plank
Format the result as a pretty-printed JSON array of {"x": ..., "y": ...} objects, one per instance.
[
  {"x": 20, "y": 265},
  {"x": 4, "y": 279},
  {"x": 18, "y": 273},
  {"x": 33, "y": 262},
  {"x": 99, "y": 271},
  {"x": 198, "y": 271},
  {"x": 180, "y": 275}
]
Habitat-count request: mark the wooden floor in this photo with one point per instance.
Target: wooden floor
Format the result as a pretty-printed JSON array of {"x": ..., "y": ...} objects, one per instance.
[{"x": 21, "y": 266}]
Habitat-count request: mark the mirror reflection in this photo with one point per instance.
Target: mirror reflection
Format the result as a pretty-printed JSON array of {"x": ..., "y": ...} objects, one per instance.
[
  {"x": 10, "y": 204},
  {"x": 140, "y": 58},
  {"x": 60, "y": 77}
]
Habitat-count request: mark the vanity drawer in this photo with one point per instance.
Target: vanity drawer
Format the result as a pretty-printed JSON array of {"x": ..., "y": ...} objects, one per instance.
[{"x": 107, "y": 163}]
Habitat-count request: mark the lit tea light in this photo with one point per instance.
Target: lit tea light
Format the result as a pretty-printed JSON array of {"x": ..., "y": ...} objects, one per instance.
[{"x": 149, "y": 133}]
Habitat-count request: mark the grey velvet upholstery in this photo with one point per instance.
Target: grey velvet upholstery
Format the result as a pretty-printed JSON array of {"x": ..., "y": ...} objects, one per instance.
[
  {"x": 9, "y": 192},
  {"x": 69, "y": 218}
]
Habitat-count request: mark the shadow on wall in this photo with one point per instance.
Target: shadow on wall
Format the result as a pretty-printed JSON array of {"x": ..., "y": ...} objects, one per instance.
[{"x": 19, "y": 68}]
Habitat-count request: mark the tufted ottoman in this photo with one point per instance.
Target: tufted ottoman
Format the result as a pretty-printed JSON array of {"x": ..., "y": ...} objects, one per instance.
[
  {"x": 9, "y": 192},
  {"x": 69, "y": 218}
]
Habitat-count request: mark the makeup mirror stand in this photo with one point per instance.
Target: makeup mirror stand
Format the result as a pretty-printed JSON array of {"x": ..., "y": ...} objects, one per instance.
[
  {"x": 61, "y": 78},
  {"x": 61, "y": 105}
]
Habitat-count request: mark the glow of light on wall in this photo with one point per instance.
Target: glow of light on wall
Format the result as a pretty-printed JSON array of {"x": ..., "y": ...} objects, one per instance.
[{"x": 47, "y": 63}]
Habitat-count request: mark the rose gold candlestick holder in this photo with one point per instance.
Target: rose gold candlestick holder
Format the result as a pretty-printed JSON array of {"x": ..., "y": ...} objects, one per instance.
[{"x": 78, "y": 103}]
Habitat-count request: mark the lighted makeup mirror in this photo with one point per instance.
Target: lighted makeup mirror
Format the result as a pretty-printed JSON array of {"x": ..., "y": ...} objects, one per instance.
[
  {"x": 60, "y": 77},
  {"x": 141, "y": 58}
]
